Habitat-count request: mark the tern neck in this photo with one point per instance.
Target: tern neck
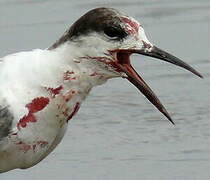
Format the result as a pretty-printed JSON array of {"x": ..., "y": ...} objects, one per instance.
[{"x": 77, "y": 68}]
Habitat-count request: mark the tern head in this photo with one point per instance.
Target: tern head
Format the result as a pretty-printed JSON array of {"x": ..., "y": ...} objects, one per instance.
[{"x": 109, "y": 37}]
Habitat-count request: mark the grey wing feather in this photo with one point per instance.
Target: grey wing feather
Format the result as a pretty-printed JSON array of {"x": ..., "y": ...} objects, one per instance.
[{"x": 6, "y": 119}]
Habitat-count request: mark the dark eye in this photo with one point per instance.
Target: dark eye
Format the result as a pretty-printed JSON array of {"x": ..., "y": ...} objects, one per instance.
[{"x": 114, "y": 32}]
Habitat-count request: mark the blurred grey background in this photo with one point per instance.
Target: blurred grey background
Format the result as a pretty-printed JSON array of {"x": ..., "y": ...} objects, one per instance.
[{"x": 117, "y": 133}]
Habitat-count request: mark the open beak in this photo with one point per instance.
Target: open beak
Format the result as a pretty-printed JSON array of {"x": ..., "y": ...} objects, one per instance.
[{"x": 123, "y": 63}]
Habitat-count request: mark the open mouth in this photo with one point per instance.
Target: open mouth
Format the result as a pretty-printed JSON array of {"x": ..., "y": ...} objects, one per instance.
[{"x": 123, "y": 64}]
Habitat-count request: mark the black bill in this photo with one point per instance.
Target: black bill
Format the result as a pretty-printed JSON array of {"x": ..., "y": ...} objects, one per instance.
[
  {"x": 123, "y": 62},
  {"x": 160, "y": 54}
]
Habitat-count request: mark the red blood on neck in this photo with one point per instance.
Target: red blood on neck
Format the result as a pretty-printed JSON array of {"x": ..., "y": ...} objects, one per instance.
[
  {"x": 55, "y": 91},
  {"x": 36, "y": 105},
  {"x": 75, "y": 110}
]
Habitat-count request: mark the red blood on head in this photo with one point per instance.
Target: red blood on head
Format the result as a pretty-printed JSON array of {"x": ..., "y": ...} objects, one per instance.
[{"x": 133, "y": 25}]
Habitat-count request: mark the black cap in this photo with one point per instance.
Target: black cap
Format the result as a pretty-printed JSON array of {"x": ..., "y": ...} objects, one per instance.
[{"x": 100, "y": 20}]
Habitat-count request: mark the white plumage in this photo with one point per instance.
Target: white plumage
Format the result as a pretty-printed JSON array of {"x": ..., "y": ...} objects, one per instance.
[{"x": 41, "y": 90}]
